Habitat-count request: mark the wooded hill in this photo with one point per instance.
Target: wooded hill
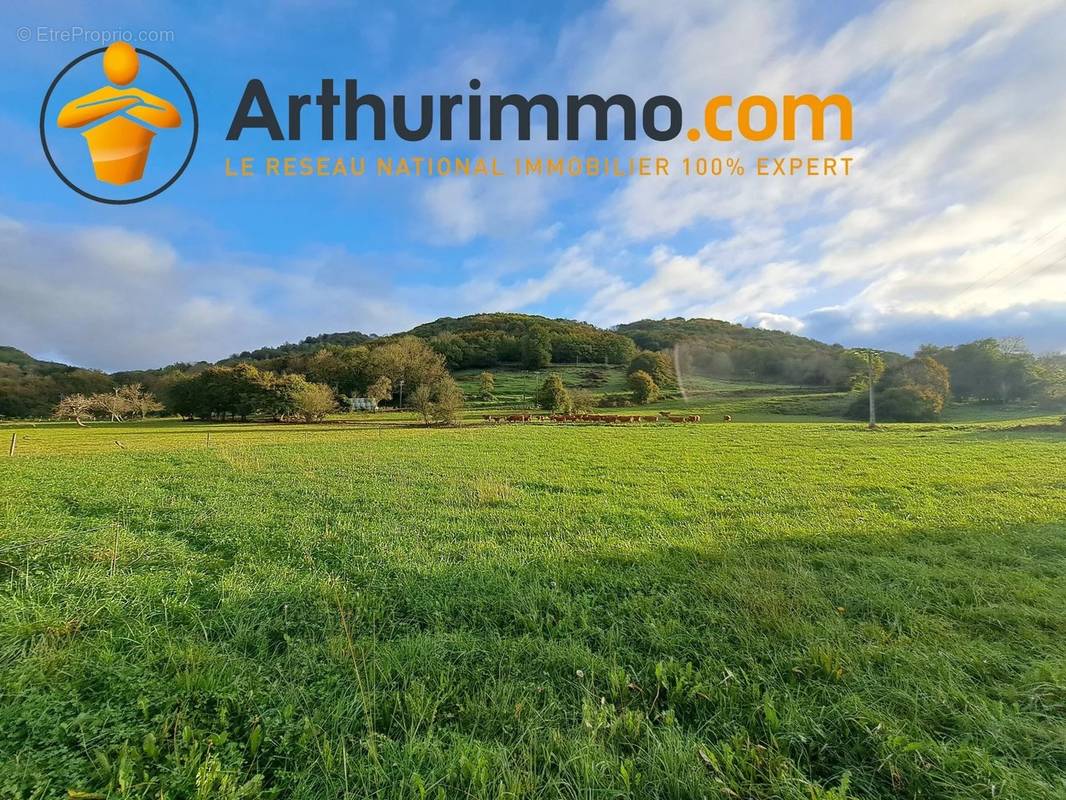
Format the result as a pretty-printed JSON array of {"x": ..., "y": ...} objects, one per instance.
[
  {"x": 712, "y": 348},
  {"x": 727, "y": 350},
  {"x": 31, "y": 388}
]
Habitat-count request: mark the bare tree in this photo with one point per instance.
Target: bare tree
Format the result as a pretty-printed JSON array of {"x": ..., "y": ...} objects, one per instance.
[
  {"x": 140, "y": 401},
  {"x": 114, "y": 404},
  {"x": 1013, "y": 346},
  {"x": 74, "y": 406}
]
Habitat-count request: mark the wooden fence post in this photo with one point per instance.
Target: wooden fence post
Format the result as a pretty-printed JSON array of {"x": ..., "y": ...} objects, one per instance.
[{"x": 14, "y": 442}]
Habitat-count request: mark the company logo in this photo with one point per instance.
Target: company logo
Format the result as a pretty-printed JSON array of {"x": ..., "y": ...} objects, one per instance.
[
  {"x": 756, "y": 117},
  {"x": 133, "y": 143}
]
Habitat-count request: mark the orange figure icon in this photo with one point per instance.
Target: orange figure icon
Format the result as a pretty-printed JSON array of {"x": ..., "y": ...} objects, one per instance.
[{"x": 119, "y": 145}]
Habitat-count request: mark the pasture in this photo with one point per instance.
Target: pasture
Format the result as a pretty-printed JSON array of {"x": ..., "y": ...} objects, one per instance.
[{"x": 512, "y": 611}]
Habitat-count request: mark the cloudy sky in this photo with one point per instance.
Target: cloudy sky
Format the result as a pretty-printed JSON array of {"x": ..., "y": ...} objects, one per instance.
[{"x": 952, "y": 227}]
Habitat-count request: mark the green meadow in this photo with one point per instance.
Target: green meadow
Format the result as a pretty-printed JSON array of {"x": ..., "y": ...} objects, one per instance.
[{"x": 534, "y": 611}]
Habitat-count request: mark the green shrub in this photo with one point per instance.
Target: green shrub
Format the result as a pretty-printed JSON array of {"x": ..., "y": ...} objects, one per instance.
[
  {"x": 900, "y": 404},
  {"x": 616, "y": 400},
  {"x": 552, "y": 394},
  {"x": 657, "y": 365},
  {"x": 644, "y": 388}
]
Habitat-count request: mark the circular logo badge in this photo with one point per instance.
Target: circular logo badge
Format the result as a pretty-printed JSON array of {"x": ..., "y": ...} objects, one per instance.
[{"x": 119, "y": 124}]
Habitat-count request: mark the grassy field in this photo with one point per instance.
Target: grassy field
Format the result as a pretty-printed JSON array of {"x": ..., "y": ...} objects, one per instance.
[
  {"x": 745, "y": 401},
  {"x": 735, "y": 611}
]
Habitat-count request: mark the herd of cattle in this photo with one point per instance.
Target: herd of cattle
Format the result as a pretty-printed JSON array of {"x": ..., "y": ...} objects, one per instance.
[{"x": 663, "y": 416}]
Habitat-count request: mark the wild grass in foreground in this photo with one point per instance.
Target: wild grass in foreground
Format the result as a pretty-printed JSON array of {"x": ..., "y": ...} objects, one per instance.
[{"x": 739, "y": 611}]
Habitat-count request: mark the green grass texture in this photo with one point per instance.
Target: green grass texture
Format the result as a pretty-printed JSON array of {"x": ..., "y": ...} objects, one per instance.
[{"x": 533, "y": 611}]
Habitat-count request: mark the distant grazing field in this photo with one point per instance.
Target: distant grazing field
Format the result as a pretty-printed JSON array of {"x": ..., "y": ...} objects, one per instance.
[{"x": 667, "y": 611}]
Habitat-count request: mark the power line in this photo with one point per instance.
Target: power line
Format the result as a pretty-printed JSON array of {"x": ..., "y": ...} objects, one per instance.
[
  {"x": 1040, "y": 271},
  {"x": 974, "y": 284}
]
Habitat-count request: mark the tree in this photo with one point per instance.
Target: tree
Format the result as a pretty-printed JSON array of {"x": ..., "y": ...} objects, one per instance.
[
  {"x": 909, "y": 404},
  {"x": 281, "y": 395},
  {"x": 487, "y": 385},
  {"x": 74, "y": 406},
  {"x": 379, "y": 390},
  {"x": 407, "y": 360},
  {"x": 421, "y": 400},
  {"x": 912, "y": 391},
  {"x": 240, "y": 391},
  {"x": 314, "y": 401},
  {"x": 440, "y": 401},
  {"x": 552, "y": 394},
  {"x": 182, "y": 398},
  {"x": 536, "y": 349},
  {"x": 140, "y": 401},
  {"x": 447, "y": 401},
  {"x": 989, "y": 370},
  {"x": 644, "y": 389},
  {"x": 923, "y": 372},
  {"x": 250, "y": 393},
  {"x": 113, "y": 403},
  {"x": 582, "y": 400},
  {"x": 346, "y": 369},
  {"x": 657, "y": 365}
]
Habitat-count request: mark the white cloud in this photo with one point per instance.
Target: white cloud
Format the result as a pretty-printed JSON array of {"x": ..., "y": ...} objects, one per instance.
[
  {"x": 776, "y": 322},
  {"x": 957, "y": 175},
  {"x": 950, "y": 226},
  {"x": 116, "y": 299},
  {"x": 460, "y": 209}
]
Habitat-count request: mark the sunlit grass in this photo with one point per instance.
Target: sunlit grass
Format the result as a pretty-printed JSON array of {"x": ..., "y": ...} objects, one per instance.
[{"x": 714, "y": 610}]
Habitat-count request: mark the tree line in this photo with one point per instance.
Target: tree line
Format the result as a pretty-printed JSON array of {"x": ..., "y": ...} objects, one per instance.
[
  {"x": 384, "y": 368},
  {"x": 115, "y": 405},
  {"x": 243, "y": 391},
  {"x": 725, "y": 350},
  {"x": 986, "y": 371},
  {"x": 310, "y": 385},
  {"x": 490, "y": 340}
]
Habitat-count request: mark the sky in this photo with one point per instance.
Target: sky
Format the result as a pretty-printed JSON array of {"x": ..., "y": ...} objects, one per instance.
[{"x": 952, "y": 226}]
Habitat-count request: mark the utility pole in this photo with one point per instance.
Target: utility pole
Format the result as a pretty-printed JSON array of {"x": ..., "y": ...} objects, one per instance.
[
  {"x": 873, "y": 410},
  {"x": 401, "y": 394}
]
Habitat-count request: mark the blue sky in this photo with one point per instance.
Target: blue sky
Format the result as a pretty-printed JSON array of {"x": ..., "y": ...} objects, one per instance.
[{"x": 952, "y": 227}]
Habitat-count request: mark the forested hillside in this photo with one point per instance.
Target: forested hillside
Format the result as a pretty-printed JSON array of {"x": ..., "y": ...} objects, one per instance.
[
  {"x": 349, "y": 363},
  {"x": 308, "y": 345},
  {"x": 31, "y": 388},
  {"x": 720, "y": 349},
  {"x": 487, "y": 340}
]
